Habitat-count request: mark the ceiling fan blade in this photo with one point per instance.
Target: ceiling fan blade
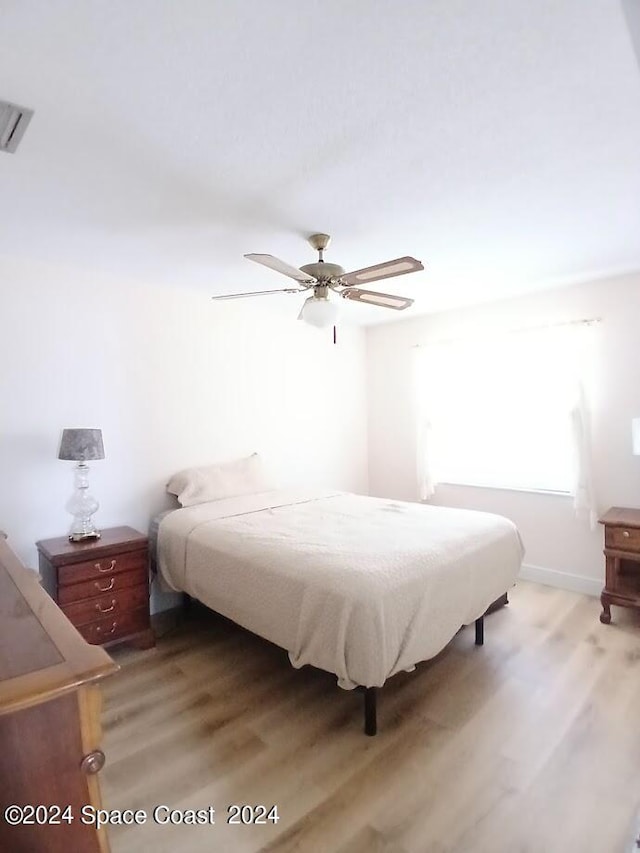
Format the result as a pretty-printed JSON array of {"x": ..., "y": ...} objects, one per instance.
[
  {"x": 280, "y": 266},
  {"x": 261, "y": 293},
  {"x": 389, "y": 269},
  {"x": 372, "y": 297}
]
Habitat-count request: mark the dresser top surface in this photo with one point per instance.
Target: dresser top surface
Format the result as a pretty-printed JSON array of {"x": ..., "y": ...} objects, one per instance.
[
  {"x": 41, "y": 653},
  {"x": 619, "y": 516},
  {"x": 112, "y": 540}
]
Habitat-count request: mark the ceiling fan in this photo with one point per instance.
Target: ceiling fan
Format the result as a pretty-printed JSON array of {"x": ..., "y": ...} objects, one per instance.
[{"x": 322, "y": 277}]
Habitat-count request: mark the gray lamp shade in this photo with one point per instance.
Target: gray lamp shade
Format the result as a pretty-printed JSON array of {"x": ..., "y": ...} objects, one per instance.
[{"x": 81, "y": 445}]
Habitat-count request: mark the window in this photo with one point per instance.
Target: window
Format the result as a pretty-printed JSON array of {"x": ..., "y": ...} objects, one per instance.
[{"x": 505, "y": 411}]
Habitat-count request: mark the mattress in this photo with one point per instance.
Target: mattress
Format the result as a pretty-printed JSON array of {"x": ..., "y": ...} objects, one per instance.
[{"x": 358, "y": 586}]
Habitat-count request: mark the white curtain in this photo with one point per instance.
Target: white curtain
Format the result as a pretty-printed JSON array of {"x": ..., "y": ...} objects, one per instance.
[
  {"x": 424, "y": 452},
  {"x": 510, "y": 410},
  {"x": 426, "y": 479},
  {"x": 583, "y": 491}
]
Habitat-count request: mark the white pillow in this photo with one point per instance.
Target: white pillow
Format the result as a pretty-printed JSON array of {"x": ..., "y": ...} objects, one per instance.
[{"x": 214, "y": 482}]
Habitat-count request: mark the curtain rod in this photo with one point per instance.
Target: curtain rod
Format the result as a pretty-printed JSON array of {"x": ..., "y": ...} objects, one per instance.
[{"x": 593, "y": 321}]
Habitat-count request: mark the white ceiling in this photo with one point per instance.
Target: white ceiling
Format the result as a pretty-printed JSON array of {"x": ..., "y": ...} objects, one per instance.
[{"x": 496, "y": 140}]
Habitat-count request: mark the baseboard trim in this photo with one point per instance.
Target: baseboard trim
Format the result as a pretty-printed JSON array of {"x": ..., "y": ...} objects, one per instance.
[
  {"x": 163, "y": 621},
  {"x": 563, "y": 580}
]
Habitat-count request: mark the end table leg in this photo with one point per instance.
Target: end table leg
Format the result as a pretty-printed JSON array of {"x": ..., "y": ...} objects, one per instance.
[{"x": 605, "y": 616}]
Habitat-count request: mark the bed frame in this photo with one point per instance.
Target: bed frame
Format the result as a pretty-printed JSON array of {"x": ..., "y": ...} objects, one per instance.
[{"x": 371, "y": 693}]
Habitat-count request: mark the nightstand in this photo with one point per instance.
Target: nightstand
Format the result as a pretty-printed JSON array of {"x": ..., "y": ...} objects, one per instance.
[
  {"x": 101, "y": 585},
  {"x": 622, "y": 554}
]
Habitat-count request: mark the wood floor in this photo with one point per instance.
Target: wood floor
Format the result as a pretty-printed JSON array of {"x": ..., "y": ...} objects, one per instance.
[{"x": 529, "y": 743}]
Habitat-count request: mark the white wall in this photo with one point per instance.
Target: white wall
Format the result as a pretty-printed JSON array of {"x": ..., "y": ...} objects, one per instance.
[
  {"x": 555, "y": 540},
  {"x": 173, "y": 379}
]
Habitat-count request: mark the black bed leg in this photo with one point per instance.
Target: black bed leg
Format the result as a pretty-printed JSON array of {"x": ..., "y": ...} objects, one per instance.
[
  {"x": 370, "y": 717},
  {"x": 480, "y": 631}
]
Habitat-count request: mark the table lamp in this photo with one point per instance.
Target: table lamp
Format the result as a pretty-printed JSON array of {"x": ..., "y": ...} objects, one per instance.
[{"x": 82, "y": 445}]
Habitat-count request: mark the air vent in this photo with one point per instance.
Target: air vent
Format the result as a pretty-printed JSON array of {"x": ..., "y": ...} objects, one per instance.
[{"x": 13, "y": 123}]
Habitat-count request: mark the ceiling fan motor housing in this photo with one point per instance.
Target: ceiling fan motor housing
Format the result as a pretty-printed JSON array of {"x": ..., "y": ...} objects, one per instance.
[{"x": 322, "y": 271}]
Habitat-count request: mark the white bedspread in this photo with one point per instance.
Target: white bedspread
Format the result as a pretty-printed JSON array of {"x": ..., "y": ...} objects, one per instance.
[{"x": 358, "y": 586}]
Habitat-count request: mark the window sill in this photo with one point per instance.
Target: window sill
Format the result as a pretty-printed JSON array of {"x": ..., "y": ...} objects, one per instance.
[{"x": 551, "y": 492}]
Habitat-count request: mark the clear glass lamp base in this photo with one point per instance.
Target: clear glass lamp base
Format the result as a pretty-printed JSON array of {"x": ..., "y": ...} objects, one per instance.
[{"x": 82, "y": 507}]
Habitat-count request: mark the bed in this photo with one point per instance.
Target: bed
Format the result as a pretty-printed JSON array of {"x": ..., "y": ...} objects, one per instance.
[{"x": 358, "y": 586}]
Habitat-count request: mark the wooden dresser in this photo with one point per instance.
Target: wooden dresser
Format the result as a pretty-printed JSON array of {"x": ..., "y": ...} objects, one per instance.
[
  {"x": 49, "y": 718},
  {"x": 101, "y": 585},
  {"x": 622, "y": 556}
]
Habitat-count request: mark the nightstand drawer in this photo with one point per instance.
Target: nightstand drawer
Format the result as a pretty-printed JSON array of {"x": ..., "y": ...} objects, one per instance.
[
  {"x": 114, "y": 627},
  {"x": 103, "y": 585},
  {"x": 112, "y": 604},
  {"x": 102, "y": 567},
  {"x": 622, "y": 538}
]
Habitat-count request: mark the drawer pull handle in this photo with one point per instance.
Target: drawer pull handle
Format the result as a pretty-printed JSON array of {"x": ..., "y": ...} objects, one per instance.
[
  {"x": 93, "y": 762},
  {"x": 109, "y": 568},
  {"x": 110, "y": 631},
  {"x": 105, "y": 588},
  {"x": 626, "y": 534},
  {"x": 102, "y": 609}
]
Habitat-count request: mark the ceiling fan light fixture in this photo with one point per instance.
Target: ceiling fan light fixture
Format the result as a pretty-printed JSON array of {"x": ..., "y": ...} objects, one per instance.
[{"x": 318, "y": 311}]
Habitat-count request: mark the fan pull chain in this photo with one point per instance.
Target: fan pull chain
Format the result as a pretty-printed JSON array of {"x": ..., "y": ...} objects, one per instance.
[{"x": 335, "y": 335}]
